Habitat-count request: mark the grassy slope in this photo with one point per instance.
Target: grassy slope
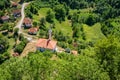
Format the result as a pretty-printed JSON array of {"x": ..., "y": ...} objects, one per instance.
[
  {"x": 11, "y": 43},
  {"x": 41, "y": 13},
  {"x": 64, "y": 26},
  {"x": 93, "y": 33}
]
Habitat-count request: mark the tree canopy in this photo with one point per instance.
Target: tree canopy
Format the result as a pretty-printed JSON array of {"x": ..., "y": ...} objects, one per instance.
[{"x": 39, "y": 66}]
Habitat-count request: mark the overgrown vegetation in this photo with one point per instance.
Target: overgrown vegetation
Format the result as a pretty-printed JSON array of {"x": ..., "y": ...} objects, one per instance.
[{"x": 40, "y": 66}]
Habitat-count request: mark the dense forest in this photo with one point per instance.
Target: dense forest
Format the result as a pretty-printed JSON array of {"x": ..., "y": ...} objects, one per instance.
[{"x": 89, "y": 26}]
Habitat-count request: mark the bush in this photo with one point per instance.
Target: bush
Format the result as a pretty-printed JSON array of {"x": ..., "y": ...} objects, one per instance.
[
  {"x": 21, "y": 37},
  {"x": 67, "y": 50},
  {"x": 19, "y": 48},
  {"x": 62, "y": 44}
]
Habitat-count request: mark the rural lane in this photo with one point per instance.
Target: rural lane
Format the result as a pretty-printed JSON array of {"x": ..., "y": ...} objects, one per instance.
[{"x": 19, "y": 24}]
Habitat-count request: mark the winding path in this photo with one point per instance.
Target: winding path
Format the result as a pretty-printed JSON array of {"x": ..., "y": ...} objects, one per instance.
[
  {"x": 19, "y": 24},
  {"x": 31, "y": 45}
]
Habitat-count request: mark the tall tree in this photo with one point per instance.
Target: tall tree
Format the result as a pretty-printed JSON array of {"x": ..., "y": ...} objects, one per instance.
[
  {"x": 50, "y": 16},
  {"x": 60, "y": 12}
]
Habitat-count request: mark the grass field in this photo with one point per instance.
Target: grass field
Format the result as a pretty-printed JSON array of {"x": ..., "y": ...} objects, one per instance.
[
  {"x": 65, "y": 26},
  {"x": 93, "y": 33},
  {"x": 41, "y": 13},
  {"x": 11, "y": 44}
]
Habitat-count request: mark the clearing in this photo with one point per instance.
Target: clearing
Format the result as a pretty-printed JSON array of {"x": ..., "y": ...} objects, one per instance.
[
  {"x": 30, "y": 47},
  {"x": 64, "y": 27},
  {"x": 93, "y": 33}
]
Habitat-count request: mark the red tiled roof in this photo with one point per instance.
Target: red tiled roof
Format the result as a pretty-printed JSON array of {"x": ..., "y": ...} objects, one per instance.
[
  {"x": 16, "y": 11},
  {"x": 33, "y": 30},
  {"x": 14, "y": 4},
  {"x": 15, "y": 54},
  {"x": 74, "y": 52},
  {"x": 5, "y": 17},
  {"x": 27, "y": 21},
  {"x": 46, "y": 43}
]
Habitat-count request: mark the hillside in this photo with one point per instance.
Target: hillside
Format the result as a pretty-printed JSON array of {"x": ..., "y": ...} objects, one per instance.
[
  {"x": 59, "y": 40},
  {"x": 93, "y": 33}
]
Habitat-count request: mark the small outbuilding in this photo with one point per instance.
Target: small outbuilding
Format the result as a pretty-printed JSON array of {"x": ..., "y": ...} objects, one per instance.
[
  {"x": 5, "y": 18},
  {"x": 33, "y": 31},
  {"x": 14, "y": 4},
  {"x": 74, "y": 52},
  {"x": 17, "y": 13},
  {"x": 27, "y": 22}
]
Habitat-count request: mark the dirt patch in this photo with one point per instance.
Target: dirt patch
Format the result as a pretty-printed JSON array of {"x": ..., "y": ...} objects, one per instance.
[{"x": 30, "y": 47}]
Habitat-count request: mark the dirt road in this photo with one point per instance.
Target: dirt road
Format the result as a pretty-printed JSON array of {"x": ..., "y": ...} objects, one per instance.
[{"x": 19, "y": 24}]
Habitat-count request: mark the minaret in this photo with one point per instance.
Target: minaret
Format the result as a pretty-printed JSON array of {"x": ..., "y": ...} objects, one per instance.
[{"x": 50, "y": 34}]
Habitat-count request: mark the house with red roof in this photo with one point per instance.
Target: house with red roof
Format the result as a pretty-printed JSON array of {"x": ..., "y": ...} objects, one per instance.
[
  {"x": 5, "y": 18},
  {"x": 48, "y": 44},
  {"x": 17, "y": 13},
  {"x": 15, "y": 54},
  {"x": 27, "y": 22},
  {"x": 14, "y": 4},
  {"x": 33, "y": 31},
  {"x": 43, "y": 44}
]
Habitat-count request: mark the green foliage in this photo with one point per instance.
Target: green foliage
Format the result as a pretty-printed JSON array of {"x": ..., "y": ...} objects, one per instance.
[
  {"x": 76, "y": 4},
  {"x": 4, "y": 4},
  {"x": 108, "y": 53},
  {"x": 93, "y": 33},
  {"x": 78, "y": 31},
  {"x": 27, "y": 0},
  {"x": 50, "y": 16},
  {"x": 4, "y": 27},
  {"x": 3, "y": 43},
  {"x": 109, "y": 8},
  {"x": 42, "y": 33},
  {"x": 60, "y": 12},
  {"x": 91, "y": 20},
  {"x": 38, "y": 66},
  {"x": 62, "y": 44},
  {"x": 16, "y": 31},
  {"x": 94, "y": 62},
  {"x": 60, "y": 37},
  {"x": 19, "y": 48},
  {"x": 1, "y": 13},
  {"x": 42, "y": 21},
  {"x": 21, "y": 37},
  {"x": 75, "y": 18},
  {"x": 32, "y": 9},
  {"x": 111, "y": 27},
  {"x": 35, "y": 24}
]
